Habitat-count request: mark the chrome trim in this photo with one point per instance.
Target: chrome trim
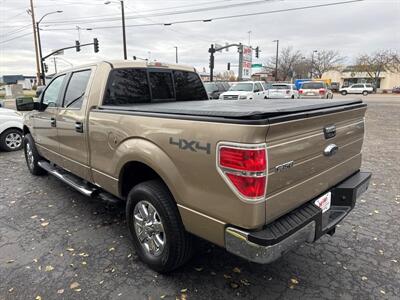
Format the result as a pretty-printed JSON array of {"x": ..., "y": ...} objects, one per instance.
[
  {"x": 222, "y": 171},
  {"x": 236, "y": 242},
  {"x": 87, "y": 191},
  {"x": 330, "y": 150}
]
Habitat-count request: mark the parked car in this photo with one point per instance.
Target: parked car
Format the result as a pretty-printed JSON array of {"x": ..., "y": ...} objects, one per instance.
[
  {"x": 215, "y": 89},
  {"x": 267, "y": 86},
  {"x": 334, "y": 87},
  {"x": 396, "y": 90},
  {"x": 251, "y": 90},
  {"x": 283, "y": 91},
  {"x": 315, "y": 89},
  {"x": 358, "y": 88},
  {"x": 10, "y": 130},
  {"x": 146, "y": 134}
]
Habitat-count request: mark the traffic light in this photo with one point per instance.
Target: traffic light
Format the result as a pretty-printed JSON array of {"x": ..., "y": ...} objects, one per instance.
[
  {"x": 96, "y": 45},
  {"x": 134, "y": 57},
  {"x": 77, "y": 46},
  {"x": 46, "y": 68},
  {"x": 228, "y": 66},
  {"x": 257, "y": 52}
]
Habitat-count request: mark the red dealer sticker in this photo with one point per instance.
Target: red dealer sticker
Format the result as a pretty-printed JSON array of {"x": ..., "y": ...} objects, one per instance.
[{"x": 324, "y": 202}]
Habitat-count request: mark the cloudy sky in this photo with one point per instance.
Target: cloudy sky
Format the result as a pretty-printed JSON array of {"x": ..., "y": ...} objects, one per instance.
[{"x": 354, "y": 28}]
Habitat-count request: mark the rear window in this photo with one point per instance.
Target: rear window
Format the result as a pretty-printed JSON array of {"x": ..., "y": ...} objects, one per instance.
[
  {"x": 312, "y": 85},
  {"x": 131, "y": 86},
  {"x": 280, "y": 87}
]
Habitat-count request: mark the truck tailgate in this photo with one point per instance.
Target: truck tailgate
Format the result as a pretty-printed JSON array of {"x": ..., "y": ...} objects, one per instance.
[{"x": 298, "y": 169}]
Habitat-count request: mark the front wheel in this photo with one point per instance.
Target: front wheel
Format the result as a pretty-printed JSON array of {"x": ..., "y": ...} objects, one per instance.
[
  {"x": 365, "y": 93},
  {"x": 344, "y": 93},
  {"x": 32, "y": 156},
  {"x": 11, "y": 140},
  {"x": 156, "y": 228}
]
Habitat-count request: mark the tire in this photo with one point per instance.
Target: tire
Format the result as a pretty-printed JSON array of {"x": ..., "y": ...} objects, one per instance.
[
  {"x": 344, "y": 93},
  {"x": 32, "y": 156},
  {"x": 292, "y": 97},
  {"x": 365, "y": 93},
  {"x": 11, "y": 140},
  {"x": 177, "y": 245}
]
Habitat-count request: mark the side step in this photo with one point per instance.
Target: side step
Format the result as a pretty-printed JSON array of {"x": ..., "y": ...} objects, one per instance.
[{"x": 71, "y": 180}]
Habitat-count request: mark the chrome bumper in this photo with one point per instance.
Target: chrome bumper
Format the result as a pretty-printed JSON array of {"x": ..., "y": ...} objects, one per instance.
[{"x": 236, "y": 242}]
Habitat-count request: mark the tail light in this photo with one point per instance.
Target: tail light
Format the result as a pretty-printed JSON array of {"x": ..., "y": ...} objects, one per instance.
[
  {"x": 287, "y": 91},
  {"x": 300, "y": 91},
  {"x": 244, "y": 168},
  {"x": 322, "y": 91}
]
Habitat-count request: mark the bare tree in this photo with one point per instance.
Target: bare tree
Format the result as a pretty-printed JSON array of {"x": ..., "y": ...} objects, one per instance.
[
  {"x": 288, "y": 59},
  {"x": 226, "y": 76},
  {"x": 325, "y": 60},
  {"x": 378, "y": 62}
]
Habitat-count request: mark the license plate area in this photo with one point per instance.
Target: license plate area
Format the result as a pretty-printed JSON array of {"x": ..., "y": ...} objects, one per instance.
[{"x": 324, "y": 202}]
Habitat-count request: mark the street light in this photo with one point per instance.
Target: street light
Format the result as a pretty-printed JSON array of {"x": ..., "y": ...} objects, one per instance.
[
  {"x": 276, "y": 59},
  {"x": 123, "y": 26},
  {"x": 312, "y": 63},
  {"x": 40, "y": 44},
  {"x": 176, "y": 54}
]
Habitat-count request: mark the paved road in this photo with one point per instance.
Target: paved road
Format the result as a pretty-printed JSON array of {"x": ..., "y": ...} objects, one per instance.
[{"x": 52, "y": 237}]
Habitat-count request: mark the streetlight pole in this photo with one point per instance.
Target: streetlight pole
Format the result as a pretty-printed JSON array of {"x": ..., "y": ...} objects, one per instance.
[
  {"x": 43, "y": 76},
  {"x": 176, "y": 54},
  {"x": 276, "y": 59},
  {"x": 123, "y": 26},
  {"x": 32, "y": 13},
  {"x": 312, "y": 63}
]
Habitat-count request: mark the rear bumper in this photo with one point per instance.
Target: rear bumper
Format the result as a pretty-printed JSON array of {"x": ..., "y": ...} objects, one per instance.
[{"x": 304, "y": 224}]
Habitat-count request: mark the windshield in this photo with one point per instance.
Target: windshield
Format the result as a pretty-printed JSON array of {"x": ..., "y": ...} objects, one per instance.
[
  {"x": 210, "y": 87},
  {"x": 312, "y": 85},
  {"x": 247, "y": 87},
  {"x": 280, "y": 87}
]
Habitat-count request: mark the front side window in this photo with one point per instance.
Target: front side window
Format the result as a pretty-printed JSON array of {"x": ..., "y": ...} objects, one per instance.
[
  {"x": 52, "y": 93},
  {"x": 127, "y": 86},
  {"x": 188, "y": 86},
  {"x": 76, "y": 89},
  {"x": 258, "y": 87}
]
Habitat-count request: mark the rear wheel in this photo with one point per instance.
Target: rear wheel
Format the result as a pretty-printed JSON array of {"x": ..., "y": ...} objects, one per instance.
[
  {"x": 156, "y": 228},
  {"x": 365, "y": 93},
  {"x": 32, "y": 156},
  {"x": 11, "y": 140},
  {"x": 344, "y": 93}
]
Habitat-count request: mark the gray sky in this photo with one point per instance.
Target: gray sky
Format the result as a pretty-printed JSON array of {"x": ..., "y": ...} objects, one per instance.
[{"x": 355, "y": 28}]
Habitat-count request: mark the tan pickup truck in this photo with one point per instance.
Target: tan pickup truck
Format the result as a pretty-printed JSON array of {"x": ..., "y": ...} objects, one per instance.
[{"x": 257, "y": 177}]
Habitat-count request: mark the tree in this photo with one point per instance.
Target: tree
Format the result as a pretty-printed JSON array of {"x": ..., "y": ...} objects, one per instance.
[
  {"x": 376, "y": 63},
  {"x": 226, "y": 76},
  {"x": 288, "y": 60},
  {"x": 325, "y": 60}
]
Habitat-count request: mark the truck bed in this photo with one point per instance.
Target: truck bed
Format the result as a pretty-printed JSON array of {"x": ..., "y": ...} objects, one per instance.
[{"x": 256, "y": 110}]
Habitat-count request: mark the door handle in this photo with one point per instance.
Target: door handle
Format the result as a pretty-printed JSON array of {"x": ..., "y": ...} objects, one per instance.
[
  {"x": 53, "y": 122},
  {"x": 79, "y": 127}
]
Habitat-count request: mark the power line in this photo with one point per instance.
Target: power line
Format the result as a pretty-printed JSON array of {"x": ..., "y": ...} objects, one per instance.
[
  {"x": 222, "y": 17},
  {"x": 138, "y": 16},
  {"x": 14, "y": 38},
  {"x": 22, "y": 28}
]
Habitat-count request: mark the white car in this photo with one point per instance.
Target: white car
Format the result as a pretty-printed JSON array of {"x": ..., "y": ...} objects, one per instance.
[
  {"x": 10, "y": 130},
  {"x": 283, "y": 91},
  {"x": 246, "y": 90},
  {"x": 358, "y": 88}
]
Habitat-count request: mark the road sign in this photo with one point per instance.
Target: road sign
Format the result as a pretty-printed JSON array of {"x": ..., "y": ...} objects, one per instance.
[
  {"x": 256, "y": 65},
  {"x": 247, "y": 58}
]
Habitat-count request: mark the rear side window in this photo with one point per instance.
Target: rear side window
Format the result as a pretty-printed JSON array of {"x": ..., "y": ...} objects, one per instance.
[
  {"x": 127, "y": 86},
  {"x": 76, "y": 89},
  {"x": 188, "y": 86},
  {"x": 161, "y": 86}
]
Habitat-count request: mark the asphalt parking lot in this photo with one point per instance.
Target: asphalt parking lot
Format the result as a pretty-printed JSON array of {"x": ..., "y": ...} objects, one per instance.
[{"x": 58, "y": 244}]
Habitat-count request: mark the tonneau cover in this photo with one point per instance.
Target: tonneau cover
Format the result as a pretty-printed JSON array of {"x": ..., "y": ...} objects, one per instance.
[{"x": 236, "y": 108}]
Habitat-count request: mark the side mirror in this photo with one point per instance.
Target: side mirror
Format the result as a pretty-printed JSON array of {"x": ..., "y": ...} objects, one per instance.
[
  {"x": 256, "y": 90},
  {"x": 24, "y": 103}
]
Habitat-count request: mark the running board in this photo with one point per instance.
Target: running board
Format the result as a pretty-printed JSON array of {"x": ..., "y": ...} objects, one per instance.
[{"x": 71, "y": 180}]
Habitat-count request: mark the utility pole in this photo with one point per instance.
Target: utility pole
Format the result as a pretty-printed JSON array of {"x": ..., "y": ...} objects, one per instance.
[
  {"x": 312, "y": 64},
  {"x": 276, "y": 59},
  {"x": 176, "y": 54},
  {"x": 43, "y": 74},
  {"x": 211, "y": 51},
  {"x": 39, "y": 81},
  {"x": 240, "y": 70},
  {"x": 123, "y": 29}
]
